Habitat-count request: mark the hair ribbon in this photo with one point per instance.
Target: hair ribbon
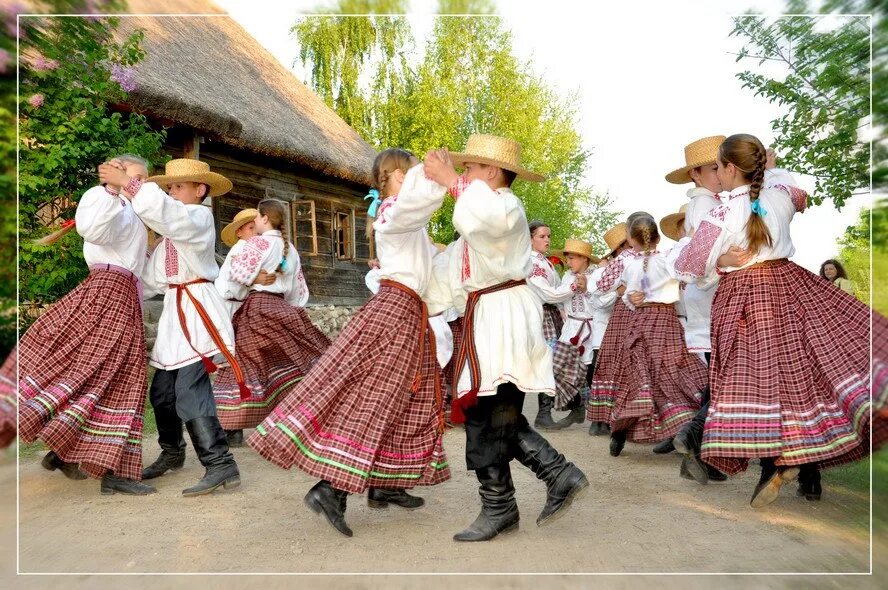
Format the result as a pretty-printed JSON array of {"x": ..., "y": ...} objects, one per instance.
[
  {"x": 374, "y": 205},
  {"x": 758, "y": 209}
]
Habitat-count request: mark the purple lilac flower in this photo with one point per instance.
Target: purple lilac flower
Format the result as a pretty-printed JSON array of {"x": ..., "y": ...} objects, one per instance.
[
  {"x": 125, "y": 76},
  {"x": 36, "y": 101},
  {"x": 9, "y": 17},
  {"x": 41, "y": 64}
]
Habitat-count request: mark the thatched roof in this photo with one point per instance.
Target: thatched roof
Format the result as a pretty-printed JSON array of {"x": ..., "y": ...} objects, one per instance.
[{"x": 208, "y": 73}]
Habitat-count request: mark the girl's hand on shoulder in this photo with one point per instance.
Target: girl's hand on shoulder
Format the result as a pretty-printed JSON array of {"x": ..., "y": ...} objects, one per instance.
[
  {"x": 734, "y": 257},
  {"x": 265, "y": 278},
  {"x": 636, "y": 298}
]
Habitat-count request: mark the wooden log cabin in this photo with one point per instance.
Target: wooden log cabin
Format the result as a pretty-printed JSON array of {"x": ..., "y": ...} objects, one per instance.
[{"x": 226, "y": 100}]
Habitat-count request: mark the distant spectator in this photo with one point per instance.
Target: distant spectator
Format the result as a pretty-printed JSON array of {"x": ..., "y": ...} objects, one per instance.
[{"x": 833, "y": 271}]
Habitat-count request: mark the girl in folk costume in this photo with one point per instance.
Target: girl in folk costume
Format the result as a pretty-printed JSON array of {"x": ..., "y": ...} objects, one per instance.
[
  {"x": 545, "y": 282},
  {"x": 8, "y": 402},
  {"x": 368, "y": 414},
  {"x": 275, "y": 339},
  {"x": 610, "y": 362},
  {"x": 82, "y": 374},
  {"x": 235, "y": 236},
  {"x": 790, "y": 368},
  {"x": 661, "y": 387},
  {"x": 578, "y": 334},
  {"x": 194, "y": 324},
  {"x": 488, "y": 279}
]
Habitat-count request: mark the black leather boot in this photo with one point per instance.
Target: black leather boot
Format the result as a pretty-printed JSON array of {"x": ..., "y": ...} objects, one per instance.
[
  {"x": 809, "y": 482},
  {"x": 380, "y": 498},
  {"x": 664, "y": 447},
  {"x": 563, "y": 479},
  {"x": 172, "y": 444},
  {"x": 111, "y": 484},
  {"x": 235, "y": 438},
  {"x": 577, "y": 413},
  {"x": 618, "y": 441},
  {"x": 543, "y": 419},
  {"x": 599, "y": 429},
  {"x": 52, "y": 462},
  {"x": 209, "y": 441},
  {"x": 499, "y": 511},
  {"x": 324, "y": 499},
  {"x": 770, "y": 482}
]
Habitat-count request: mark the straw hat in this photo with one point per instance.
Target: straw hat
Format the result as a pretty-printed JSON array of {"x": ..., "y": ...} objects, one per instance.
[
  {"x": 699, "y": 153},
  {"x": 243, "y": 217},
  {"x": 580, "y": 247},
  {"x": 496, "y": 151},
  {"x": 670, "y": 226},
  {"x": 615, "y": 236},
  {"x": 188, "y": 170}
]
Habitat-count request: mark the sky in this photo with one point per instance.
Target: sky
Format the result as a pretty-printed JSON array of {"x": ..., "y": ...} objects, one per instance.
[{"x": 651, "y": 77}]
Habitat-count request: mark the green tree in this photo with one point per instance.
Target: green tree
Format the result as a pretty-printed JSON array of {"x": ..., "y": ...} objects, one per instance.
[
  {"x": 466, "y": 79},
  {"x": 825, "y": 92},
  {"x": 73, "y": 70}
]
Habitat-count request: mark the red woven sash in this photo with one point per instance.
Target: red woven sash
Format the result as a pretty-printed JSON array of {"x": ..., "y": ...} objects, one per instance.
[
  {"x": 469, "y": 354},
  {"x": 214, "y": 334}
]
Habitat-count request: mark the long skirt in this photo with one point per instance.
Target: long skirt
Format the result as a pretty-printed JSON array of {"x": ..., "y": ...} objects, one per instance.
[
  {"x": 276, "y": 345},
  {"x": 8, "y": 400},
  {"x": 791, "y": 371},
  {"x": 368, "y": 414},
  {"x": 82, "y": 376},
  {"x": 552, "y": 323},
  {"x": 662, "y": 385},
  {"x": 609, "y": 367},
  {"x": 570, "y": 374}
]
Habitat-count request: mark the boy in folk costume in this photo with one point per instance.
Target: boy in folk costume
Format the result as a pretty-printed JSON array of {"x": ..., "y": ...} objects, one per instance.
[
  {"x": 235, "y": 236},
  {"x": 488, "y": 277},
  {"x": 82, "y": 374},
  {"x": 586, "y": 319},
  {"x": 194, "y": 324},
  {"x": 275, "y": 339}
]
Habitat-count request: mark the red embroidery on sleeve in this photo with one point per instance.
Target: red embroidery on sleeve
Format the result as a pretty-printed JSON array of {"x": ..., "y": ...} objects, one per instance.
[
  {"x": 539, "y": 271},
  {"x": 719, "y": 212},
  {"x": 384, "y": 206},
  {"x": 171, "y": 258},
  {"x": 611, "y": 273},
  {"x": 466, "y": 268},
  {"x": 459, "y": 185},
  {"x": 133, "y": 186},
  {"x": 692, "y": 260},
  {"x": 798, "y": 197}
]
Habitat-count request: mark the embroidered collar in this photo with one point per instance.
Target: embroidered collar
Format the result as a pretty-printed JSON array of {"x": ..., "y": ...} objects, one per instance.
[{"x": 740, "y": 191}]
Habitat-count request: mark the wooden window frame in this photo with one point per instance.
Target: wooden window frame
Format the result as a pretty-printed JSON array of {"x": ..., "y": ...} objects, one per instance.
[
  {"x": 314, "y": 224},
  {"x": 349, "y": 212}
]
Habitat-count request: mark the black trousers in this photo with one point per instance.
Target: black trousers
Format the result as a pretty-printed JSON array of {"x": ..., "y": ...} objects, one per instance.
[
  {"x": 186, "y": 392},
  {"x": 493, "y": 426}
]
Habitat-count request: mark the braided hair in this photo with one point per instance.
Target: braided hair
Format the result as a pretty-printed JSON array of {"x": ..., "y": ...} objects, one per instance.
[
  {"x": 748, "y": 154},
  {"x": 277, "y": 216},
  {"x": 385, "y": 163},
  {"x": 643, "y": 230}
]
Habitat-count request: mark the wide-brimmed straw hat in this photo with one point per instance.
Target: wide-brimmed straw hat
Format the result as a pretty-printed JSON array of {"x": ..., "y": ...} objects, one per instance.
[
  {"x": 188, "y": 170},
  {"x": 581, "y": 247},
  {"x": 670, "y": 226},
  {"x": 699, "y": 153},
  {"x": 496, "y": 151},
  {"x": 243, "y": 217},
  {"x": 615, "y": 236}
]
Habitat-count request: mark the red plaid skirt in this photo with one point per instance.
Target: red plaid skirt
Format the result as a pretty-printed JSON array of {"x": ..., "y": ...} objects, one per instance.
[
  {"x": 552, "y": 323},
  {"x": 610, "y": 365},
  {"x": 82, "y": 376},
  {"x": 275, "y": 344},
  {"x": 570, "y": 373},
  {"x": 791, "y": 370},
  {"x": 661, "y": 387},
  {"x": 7, "y": 400},
  {"x": 353, "y": 419}
]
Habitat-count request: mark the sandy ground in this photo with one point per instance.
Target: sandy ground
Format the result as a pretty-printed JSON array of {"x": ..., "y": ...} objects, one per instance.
[{"x": 638, "y": 517}]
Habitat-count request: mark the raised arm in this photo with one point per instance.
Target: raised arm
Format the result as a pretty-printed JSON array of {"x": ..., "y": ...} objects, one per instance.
[
  {"x": 98, "y": 216},
  {"x": 415, "y": 204},
  {"x": 167, "y": 216}
]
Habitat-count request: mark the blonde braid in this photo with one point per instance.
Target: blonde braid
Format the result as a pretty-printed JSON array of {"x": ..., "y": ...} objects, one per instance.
[{"x": 280, "y": 268}]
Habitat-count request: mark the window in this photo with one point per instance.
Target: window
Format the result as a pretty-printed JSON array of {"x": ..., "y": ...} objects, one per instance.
[
  {"x": 305, "y": 227},
  {"x": 344, "y": 234}
]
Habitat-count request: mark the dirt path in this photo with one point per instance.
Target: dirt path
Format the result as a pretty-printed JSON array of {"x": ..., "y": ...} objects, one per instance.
[{"x": 638, "y": 517}]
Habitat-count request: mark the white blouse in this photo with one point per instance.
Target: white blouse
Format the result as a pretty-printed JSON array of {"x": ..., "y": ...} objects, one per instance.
[
  {"x": 111, "y": 231},
  {"x": 403, "y": 246},
  {"x": 587, "y": 313},
  {"x": 265, "y": 252},
  {"x": 545, "y": 282},
  {"x": 725, "y": 226},
  {"x": 494, "y": 247},
  {"x": 702, "y": 201},
  {"x": 656, "y": 283}
]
